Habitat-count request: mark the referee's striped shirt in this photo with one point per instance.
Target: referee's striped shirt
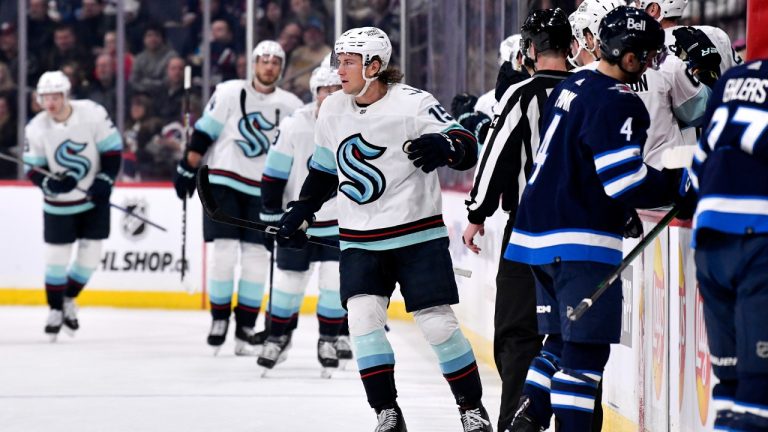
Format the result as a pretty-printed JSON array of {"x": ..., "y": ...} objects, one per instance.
[{"x": 507, "y": 155}]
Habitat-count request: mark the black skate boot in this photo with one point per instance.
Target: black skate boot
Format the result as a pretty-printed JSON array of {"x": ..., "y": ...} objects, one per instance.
[
  {"x": 70, "y": 316},
  {"x": 326, "y": 355},
  {"x": 522, "y": 422},
  {"x": 475, "y": 419},
  {"x": 248, "y": 342},
  {"x": 54, "y": 323},
  {"x": 390, "y": 419},
  {"x": 343, "y": 349},
  {"x": 274, "y": 352},
  {"x": 218, "y": 334}
]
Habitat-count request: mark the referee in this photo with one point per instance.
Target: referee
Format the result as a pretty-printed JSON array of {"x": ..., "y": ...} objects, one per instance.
[{"x": 505, "y": 164}]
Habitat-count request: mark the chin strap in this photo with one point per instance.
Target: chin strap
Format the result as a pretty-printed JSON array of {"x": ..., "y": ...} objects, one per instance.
[{"x": 368, "y": 82}]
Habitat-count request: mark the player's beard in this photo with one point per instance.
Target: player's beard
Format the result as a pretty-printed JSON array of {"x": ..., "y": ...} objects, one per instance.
[{"x": 267, "y": 82}]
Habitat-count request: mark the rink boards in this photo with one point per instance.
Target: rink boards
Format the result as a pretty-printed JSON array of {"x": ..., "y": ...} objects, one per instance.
[{"x": 663, "y": 334}]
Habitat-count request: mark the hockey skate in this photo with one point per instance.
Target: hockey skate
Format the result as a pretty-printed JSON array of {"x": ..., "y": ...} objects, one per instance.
[
  {"x": 390, "y": 420},
  {"x": 70, "y": 316},
  {"x": 475, "y": 419},
  {"x": 54, "y": 323},
  {"x": 343, "y": 351},
  {"x": 218, "y": 334},
  {"x": 522, "y": 422},
  {"x": 327, "y": 356},
  {"x": 248, "y": 342},
  {"x": 275, "y": 351}
]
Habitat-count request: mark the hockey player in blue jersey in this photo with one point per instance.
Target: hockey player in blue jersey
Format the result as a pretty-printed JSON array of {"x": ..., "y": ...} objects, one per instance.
[
  {"x": 730, "y": 173},
  {"x": 587, "y": 173}
]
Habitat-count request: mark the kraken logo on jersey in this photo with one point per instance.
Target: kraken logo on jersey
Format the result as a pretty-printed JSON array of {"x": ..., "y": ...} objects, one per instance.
[
  {"x": 257, "y": 143},
  {"x": 67, "y": 156},
  {"x": 366, "y": 183}
]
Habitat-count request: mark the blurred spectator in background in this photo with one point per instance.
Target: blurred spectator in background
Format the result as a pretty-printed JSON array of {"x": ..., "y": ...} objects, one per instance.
[
  {"x": 242, "y": 66},
  {"x": 149, "y": 66},
  {"x": 302, "y": 12},
  {"x": 7, "y": 83},
  {"x": 77, "y": 80},
  {"x": 157, "y": 159},
  {"x": 110, "y": 48},
  {"x": 290, "y": 39},
  {"x": 139, "y": 129},
  {"x": 92, "y": 24},
  {"x": 223, "y": 52},
  {"x": 9, "y": 49},
  {"x": 268, "y": 27},
  {"x": 102, "y": 89},
  {"x": 379, "y": 14},
  {"x": 39, "y": 29},
  {"x": 66, "y": 49},
  {"x": 8, "y": 137},
  {"x": 167, "y": 103},
  {"x": 740, "y": 46},
  {"x": 305, "y": 58}
]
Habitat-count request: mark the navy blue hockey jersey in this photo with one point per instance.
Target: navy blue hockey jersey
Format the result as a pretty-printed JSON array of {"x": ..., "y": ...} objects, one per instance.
[
  {"x": 730, "y": 166},
  {"x": 588, "y": 171}
]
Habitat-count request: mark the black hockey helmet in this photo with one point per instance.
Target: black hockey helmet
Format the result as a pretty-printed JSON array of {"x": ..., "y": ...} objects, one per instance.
[
  {"x": 626, "y": 29},
  {"x": 548, "y": 29}
]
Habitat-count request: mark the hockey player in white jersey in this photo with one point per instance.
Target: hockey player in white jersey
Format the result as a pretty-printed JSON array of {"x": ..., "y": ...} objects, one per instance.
[
  {"x": 286, "y": 168},
  {"x": 379, "y": 143},
  {"x": 77, "y": 141},
  {"x": 673, "y": 97},
  {"x": 236, "y": 154}
]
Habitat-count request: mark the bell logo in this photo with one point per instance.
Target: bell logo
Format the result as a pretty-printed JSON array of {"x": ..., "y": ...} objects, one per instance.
[{"x": 635, "y": 25}]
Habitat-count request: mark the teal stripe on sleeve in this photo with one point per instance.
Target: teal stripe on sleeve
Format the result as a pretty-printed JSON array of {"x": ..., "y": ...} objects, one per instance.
[
  {"x": 110, "y": 143},
  {"x": 35, "y": 160},
  {"x": 278, "y": 165},
  {"x": 209, "y": 125},
  {"x": 324, "y": 160}
]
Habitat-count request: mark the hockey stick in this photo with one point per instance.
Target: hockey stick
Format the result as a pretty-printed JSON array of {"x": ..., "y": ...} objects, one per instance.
[
  {"x": 185, "y": 103},
  {"x": 47, "y": 173},
  {"x": 587, "y": 302}
]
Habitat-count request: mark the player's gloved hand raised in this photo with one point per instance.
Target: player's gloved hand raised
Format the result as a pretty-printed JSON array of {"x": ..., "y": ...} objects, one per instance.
[
  {"x": 633, "y": 226},
  {"x": 433, "y": 150},
  {"x": 271, "y": 216},
  {"x": 101, "y": 189},
  {"x": 686, "y": 199},
  {"x": 184, "y": 178},
  {"x": 463, "y": 103},
  {"x": 59, "y": 184},
  {"x": 694, "y": 47},
  {"x": 293, "y": 226}
]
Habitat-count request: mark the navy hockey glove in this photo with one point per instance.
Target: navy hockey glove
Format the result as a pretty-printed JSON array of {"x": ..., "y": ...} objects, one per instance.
[
  {"x": 463, "y": 103},
  {"x": 686, "y": 199},
  {"x": 477, "y": 123},
  {"x": 694, "y": 47},
  {"x": 293, "y": 226},
  {"x": 100, "y": 189},
  {"x": 61, "y": 183},
  {"x": 633, "y": 226},
  {"x": 271, "y": 216},
  {"x": 184, "y": 178},
  {"x": 433, "y": 150}
]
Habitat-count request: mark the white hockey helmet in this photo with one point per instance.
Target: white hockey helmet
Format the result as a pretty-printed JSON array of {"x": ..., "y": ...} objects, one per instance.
[
  {"x": 52, "y": 82},
  {"x": 323, "y": 77},
  {"x": 508, "y": 50},
  {"x": 369, "y": 42},
  {"x": 669, "y": 8},
  {"x": 270, "y": 48}
]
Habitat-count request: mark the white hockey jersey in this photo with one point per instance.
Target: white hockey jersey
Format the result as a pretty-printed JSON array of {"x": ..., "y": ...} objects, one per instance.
[
  {"x": 384, "y": 201},
  {"x": 236, "y": 159},
  {"x": 289, "y": 160},
  {"x": 74, "y": 146},
  {"x": 728, "y": 56},
  {"x": 486, "y": 103}
]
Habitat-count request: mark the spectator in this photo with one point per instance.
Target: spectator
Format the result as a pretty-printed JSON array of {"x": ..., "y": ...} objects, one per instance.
[
  {"x": 8, "y": 136},
  {"x": 39, "y": 29},
  {"x": 77, "y": 80},
  {"x": 223, "y": 52},
  {"x": 140, "y": 128},
  {"x": 268, "y": 27},
  {"x": 305, "y": 58},
  {"x": 302, "y": 12},
  {"x": 242, "y": 66},
  {"x": 380, "y": 14},
  {"x": 9, "y": 50},
  {"x": 290, "y": 38},
  {"x": 34, "y": 106},
  {"x": 6, "y": 79},
  {"x": 92, "y": 24},
  {"x": 157, "y": 160},
  {"x": 149, "y": 65},
  {"x": 102, "y": 89},
  {"x": 67, "y": 50},
  {"x": 168, "y": 102},
  {"x": 110, "y": 48}
]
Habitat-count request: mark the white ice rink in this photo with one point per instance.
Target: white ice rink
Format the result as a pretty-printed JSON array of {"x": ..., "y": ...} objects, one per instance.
[{"x": 150, "y": 370}]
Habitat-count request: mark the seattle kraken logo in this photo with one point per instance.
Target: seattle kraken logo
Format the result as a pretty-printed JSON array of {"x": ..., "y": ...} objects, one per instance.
[
  {"x": 366, "y": 183},
  {"x": 256, "y": 143},
  {"x": 67, "y": 155}
]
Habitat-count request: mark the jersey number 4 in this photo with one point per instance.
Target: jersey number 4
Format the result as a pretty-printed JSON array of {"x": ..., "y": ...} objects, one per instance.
[{"x": 541, "y": 154}]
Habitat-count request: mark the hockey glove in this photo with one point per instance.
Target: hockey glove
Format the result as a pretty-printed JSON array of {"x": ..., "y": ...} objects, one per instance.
[
  {"x": 633, "y": 226},
  {"x": 694, "y": 47},
  {"x": 184, "y": 178},
  {"x": 271, "y": 216},
  {"x": 686, "y": 199},
  {"x": 463, "y": 103},
  {"x": 293, "y": 226},
  {"x": 477, "y": 123},
  {"x": 433, "y": 150},
  {"x": 61, "y": 183},
  {"x": 100, "y": 189}
]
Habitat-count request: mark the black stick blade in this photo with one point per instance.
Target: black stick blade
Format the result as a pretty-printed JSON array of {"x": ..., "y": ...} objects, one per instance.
[{"x": 204, "y": 192}]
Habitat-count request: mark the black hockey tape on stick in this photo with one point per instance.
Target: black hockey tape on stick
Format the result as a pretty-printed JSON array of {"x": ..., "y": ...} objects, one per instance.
[
  {"x": 587, "y": 302},
  {"x": 47, "y": 173}
]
